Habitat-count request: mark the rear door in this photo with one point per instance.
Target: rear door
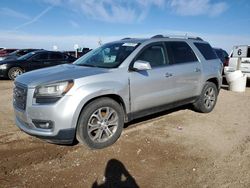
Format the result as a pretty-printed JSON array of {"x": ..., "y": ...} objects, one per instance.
[{"x": 185, "y": 70}]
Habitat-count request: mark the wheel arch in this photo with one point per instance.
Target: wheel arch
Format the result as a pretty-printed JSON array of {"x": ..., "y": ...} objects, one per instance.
[
  {"x": 114, "y": 97},
  {"x": 215, "y": 81}
]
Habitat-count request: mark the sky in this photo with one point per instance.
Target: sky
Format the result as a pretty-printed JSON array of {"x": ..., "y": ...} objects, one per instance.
[{"x": 64, "y": 23}]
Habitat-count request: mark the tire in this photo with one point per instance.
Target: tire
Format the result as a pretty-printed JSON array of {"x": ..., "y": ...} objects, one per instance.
[
  {"x": 100, "y": 123},
  {"x": 208, "y": 98},
  {"x": 14, "y": 72}
]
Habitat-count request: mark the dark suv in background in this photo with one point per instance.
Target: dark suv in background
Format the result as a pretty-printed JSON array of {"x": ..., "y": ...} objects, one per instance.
[
  {"x": 31, "y": 61},
  {"x": 223, "y": 55}
]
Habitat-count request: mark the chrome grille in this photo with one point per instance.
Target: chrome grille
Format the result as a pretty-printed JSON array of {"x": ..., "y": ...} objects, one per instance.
[{"x": 19, "y": 96}]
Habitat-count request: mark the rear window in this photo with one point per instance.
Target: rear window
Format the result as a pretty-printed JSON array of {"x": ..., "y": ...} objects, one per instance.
[
  {"x": 219, "y": 54},
  {"x": 225, "y": 53},
  {"x": 206, "y": 50}
]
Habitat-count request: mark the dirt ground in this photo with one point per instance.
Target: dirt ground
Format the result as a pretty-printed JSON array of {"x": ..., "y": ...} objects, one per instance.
[{"x": 177, "y": 148}]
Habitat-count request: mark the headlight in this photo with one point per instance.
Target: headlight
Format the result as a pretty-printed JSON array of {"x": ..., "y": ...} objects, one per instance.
[
  {"x": 4, "y": 66},
  {"x": 52, "y": 92}
]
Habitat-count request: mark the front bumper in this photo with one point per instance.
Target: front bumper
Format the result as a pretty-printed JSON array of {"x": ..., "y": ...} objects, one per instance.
[
  {"x": 61, "y": 114},
  {"x": 3, "y": 73},
  {"x": 64, "y": 136}
]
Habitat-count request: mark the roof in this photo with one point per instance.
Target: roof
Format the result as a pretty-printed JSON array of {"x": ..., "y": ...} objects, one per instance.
[{"x": 141, "y": 40}]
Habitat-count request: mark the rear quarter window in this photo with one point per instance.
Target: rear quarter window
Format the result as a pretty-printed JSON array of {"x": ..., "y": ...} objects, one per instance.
[{"x": 206, "y": 50}]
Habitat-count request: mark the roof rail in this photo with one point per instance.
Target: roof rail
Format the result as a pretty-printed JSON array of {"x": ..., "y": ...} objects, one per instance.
[
  {"x": 177, "y": 36},
  {"x": 195, "y": 38},
  {"x": 126, "y": 38}
]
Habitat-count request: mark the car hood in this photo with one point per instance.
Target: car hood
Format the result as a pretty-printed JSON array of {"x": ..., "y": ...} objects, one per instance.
[{"x": 57, "y": 73}]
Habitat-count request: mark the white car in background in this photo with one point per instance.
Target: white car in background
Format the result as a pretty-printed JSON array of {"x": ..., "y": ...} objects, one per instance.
[{"x": 245, "y": 63}]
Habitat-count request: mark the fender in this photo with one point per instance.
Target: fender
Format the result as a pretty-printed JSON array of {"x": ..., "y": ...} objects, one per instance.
[{"x": 88, "y": 92}]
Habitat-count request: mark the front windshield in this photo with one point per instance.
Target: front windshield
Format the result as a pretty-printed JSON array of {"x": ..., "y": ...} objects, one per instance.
[
  {"x": 107, "y": 56},
  {"x": 26, "y": 56}
]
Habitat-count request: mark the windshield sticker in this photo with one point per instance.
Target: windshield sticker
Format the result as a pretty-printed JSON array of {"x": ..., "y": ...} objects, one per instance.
[{"x": 130, "y": 44}]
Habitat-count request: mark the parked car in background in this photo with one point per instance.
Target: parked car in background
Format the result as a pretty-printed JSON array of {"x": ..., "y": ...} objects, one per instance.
[
  {"x": 245, "y": 63},
  {"x": 6, "y": 51},
  {"x": 31, "y": 61},
  {"x": 223, "y": 55},
  {"x": 120, "y": 81},
  {"x": 18, "y": 53},
  {"x": 80, "y": 53}
]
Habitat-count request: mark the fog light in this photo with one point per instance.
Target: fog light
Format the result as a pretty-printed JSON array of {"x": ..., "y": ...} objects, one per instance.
[{"x": 43, "y": 124}]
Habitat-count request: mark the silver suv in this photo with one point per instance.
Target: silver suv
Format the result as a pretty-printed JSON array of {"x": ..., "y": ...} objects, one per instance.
[{"x": 92, "y": 99}]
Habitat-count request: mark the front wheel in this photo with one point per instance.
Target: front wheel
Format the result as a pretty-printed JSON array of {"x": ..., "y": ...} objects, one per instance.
[
  {"x": 14, "y": 72},
  {"x": 100, "y": 123},
  {"x": 207, "y": 99}
]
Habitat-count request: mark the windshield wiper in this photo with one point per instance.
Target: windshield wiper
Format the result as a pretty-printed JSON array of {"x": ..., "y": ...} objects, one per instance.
[{"x": 86, "y": 65}]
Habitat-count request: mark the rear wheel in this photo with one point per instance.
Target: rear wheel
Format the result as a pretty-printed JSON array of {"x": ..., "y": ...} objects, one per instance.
[
  {"x": 100, "y": 123},
  {"x": 207, "y": 99},
  {"x": 14, "y": 72}
]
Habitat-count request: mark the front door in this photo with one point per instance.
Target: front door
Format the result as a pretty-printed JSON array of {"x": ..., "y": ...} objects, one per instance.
[{"x": 148, "y": 88}]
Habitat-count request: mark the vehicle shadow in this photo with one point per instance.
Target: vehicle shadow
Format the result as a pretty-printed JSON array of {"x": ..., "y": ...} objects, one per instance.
[
  {"x": 116, "y": 175},
  {"x": 157, "y": 115}
]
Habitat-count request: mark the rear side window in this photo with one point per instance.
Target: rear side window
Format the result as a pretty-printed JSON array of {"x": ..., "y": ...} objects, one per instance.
[
  {"x": 56, "y": 56},
  {"x": 181, "y": 52},
  {"x": 41, "y": 56},
  {"x": 248, "y": 52},
  {"x": 206, "y": 50}
]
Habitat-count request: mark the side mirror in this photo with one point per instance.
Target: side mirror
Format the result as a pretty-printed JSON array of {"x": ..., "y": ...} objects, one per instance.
[{"x": 141, "y": 65}]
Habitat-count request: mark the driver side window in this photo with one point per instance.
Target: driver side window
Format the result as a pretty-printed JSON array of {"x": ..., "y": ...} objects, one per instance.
[{"x": 154, "y": 55}]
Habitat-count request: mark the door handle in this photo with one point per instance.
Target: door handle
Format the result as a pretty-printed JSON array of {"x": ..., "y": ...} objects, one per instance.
[
  {"x": 168, "y": 75},
  {"x": 197, "y": 70}
]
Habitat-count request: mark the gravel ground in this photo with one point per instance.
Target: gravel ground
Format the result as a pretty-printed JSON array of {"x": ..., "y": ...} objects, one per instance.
[{"x": 177, "y": 148}]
